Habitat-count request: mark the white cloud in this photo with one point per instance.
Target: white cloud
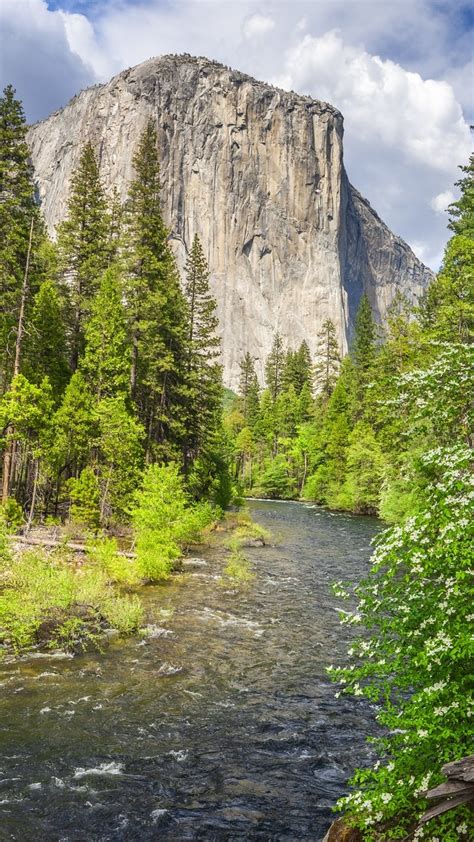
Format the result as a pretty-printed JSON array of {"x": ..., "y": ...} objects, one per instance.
[
  {"x": 441, "y": 202},
  {"x": 36, "y": 56},
  {"x": 380, "y": 100},
  {"x": 257, "y": 25},
  {"x": 398, "y": 71}
]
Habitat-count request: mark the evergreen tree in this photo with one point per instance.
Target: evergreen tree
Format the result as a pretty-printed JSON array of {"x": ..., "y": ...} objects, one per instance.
[
  {"x": 462, "y": 211},
  {"x": 363, "y": 355},
  {"x": 274, "y": 368},
  {"x": 45, "y": 352},
  {"x": 75, "y": 429},
  {"x": 21, "y": 232},
  {"x": 328, "y": 359},
  {"x": 249, "y": 392},
  {"x": 119, "y": 457},
  {"x": 203, "y": 371},
  {"x": 83, "y": 245},
  {"x": 106, "y": 361},
  {"x": 156, "y": 309}
]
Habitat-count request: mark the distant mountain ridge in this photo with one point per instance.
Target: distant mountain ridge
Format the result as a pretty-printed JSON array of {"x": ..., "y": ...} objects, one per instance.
[{"x": 258, "y": 174}]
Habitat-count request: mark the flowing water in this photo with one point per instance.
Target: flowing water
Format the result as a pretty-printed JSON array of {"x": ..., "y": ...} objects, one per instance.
[{"x": 220, "y": 725}]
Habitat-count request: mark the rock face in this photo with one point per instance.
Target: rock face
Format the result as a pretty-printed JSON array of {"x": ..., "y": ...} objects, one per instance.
[{"x": 258, "y": 174}]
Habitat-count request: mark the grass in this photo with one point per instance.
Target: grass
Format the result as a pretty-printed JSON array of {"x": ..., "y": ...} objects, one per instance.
[
  {"x": 238, "y": 569},
  {"x": 48, "y": 601}
]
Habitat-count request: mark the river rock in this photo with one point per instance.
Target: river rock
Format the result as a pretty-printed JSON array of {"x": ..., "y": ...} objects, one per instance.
[
  {"x": 194, "y": 562},
  {"x": 340, "y": 832},
  {"x": 252, "y": 542},
  {"x": 258, "y": 174}
]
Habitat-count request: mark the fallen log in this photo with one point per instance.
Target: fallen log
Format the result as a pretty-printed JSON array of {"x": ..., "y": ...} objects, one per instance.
[
  {"x": 67, "y": 545},
  {"x": 458, "y": 789}
]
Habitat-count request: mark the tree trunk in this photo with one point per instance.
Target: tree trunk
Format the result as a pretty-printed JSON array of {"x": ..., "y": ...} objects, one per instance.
[
  {"x": 10, "y": 448},
  {"x": 33, "y": 498}
]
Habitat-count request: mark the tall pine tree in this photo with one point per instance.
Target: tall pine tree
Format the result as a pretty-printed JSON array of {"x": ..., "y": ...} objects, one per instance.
[
  {"x": 203, "y": 370},
  {"x": 328, "y": 360},
  {"x": 274, "y": 368},
  {"x": 156, "y": 309},
  {"x": 83, "y": 245}
]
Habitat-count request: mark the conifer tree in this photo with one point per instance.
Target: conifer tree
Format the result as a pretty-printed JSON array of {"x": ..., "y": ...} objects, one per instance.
[
  {"x": 328, "y": 359},
  {"x": 249, "y": 392},
  {"x": 21, "y": 232},
  {"x": 363, "y": 355},
  {"x": 45, "y": 352},
  {"x": 106, "y": 361},
  {"x": 83, "y": 245},
  {"x": 156, "y": 309},
  {"x": 75, "y": 429},
  {"x": 462, "y": 211},
  {"x": 297, "y": 369},
  {"x": 274, "y": 367},
  {"x": 203, "y": 371}
]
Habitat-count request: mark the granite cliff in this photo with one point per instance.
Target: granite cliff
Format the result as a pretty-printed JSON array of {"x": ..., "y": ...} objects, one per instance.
[{"x": 255, "y": 171}]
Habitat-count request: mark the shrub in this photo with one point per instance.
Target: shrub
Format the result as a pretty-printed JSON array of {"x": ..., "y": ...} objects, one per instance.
[
  {"x": 416, "y": 662},
  {"x": 11, "y": 515},
  {"x": 105, "y": 555}
]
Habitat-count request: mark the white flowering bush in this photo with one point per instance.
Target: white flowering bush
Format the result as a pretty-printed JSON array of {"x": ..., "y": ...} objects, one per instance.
[{"x": 415, "y": 662}]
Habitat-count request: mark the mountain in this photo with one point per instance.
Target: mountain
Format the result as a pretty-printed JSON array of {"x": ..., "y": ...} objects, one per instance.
[{"x": 258, "y": 173}]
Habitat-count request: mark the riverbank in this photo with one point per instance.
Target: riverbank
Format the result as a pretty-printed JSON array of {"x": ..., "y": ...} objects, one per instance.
[{"x": 58, "y": 593}]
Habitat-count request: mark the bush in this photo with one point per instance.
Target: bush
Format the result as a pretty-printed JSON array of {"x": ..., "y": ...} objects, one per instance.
[
  {"x": 417, "y": 661},
  {"x": 164, "y": 520},
  {"x": 11, "y": 515},
  {"x": 124, "y": 613},
  {"x": 105, "y": 554}
]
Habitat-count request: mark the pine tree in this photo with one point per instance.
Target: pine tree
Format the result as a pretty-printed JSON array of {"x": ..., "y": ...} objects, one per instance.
[
  {"x": 462, "y": 211},
  {"x": 297, "y": 369},
  {"x": 204, "y": 373},
  {"x": 45, "y": 349},
  {"x": 363, "y": 355},
  {"x": 83, "y": 245},
  {"x": 249, "y": 392},
  {"x": 106, "y": 361},
  {"x": 274, "y": 367},
  {"x": 75, "y": 429},
  {"x": 21, "y": 232},
  {"x": 156, "y": 309},
  {"x": 328, "y": 360}
]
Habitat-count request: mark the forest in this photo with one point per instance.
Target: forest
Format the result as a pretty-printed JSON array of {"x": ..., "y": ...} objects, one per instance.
[{"x": 113, "y": 416}]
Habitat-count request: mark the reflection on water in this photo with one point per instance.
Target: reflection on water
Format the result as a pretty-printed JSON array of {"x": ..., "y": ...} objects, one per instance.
[{"x": 219, "y": 725}]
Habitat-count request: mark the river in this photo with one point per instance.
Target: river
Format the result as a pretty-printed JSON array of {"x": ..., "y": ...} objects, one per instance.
[{"x": 220, "y": 725}]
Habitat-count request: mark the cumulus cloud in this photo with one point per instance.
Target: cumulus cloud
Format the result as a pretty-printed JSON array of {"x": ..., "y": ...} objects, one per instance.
[
  {"x": 256, "y": 25},
  {"x": 381, "y": 100},
  {"x": 36, "y": 56}
]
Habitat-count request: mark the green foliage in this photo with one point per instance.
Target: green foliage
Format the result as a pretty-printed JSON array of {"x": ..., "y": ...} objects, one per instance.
[
  {"x": 274, "y": 368},
  {"x": 46, "y": 340},
  {"x": 82, "y": 245},
  {"x": 238, "y": 569},
  {"x": 84, "y": 494},
  {"x": 107, "y": 358},
  {"x": 164, "y": 520},
  {"x": 124, "y": 613},
  {"x": 276, "y": 481},
  {"x": 11, "y": 515},
  {"x": 45, "y": 601},
  {"x": 120, "y": 457},
  {"x": 416, "y": 661},
  {"x": 104, "y": 553},
  {"x": 462, "y": 211},
  {"x": 18, "y": 209}
]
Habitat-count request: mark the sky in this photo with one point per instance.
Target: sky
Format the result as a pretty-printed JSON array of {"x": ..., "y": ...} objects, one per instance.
[{"x": 400, "y": 71}]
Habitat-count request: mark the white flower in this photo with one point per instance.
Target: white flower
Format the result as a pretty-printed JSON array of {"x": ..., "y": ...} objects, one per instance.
[
  {"x": 386, "y": 797},
  {"x": 462, "y": 828}
]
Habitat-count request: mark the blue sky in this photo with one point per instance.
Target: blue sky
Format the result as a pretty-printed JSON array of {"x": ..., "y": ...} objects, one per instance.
[{"x": 401, "y": 72}]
